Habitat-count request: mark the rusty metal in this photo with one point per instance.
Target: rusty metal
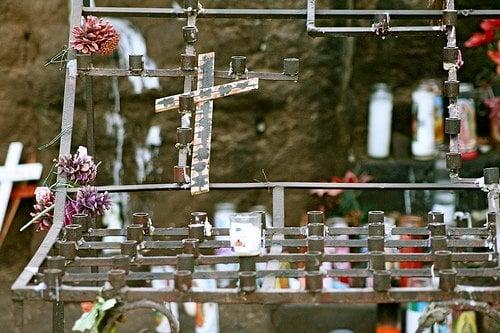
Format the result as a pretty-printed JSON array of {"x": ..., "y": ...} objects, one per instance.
[
  {"x": 182, "y": 280},
  {"x": 314, "y": 281},
  {"x": 135, "y": 232},
  {"x": 491, "y": 176},
  {"x": 129, "y": 248},
  {"x": 452, "y": 126},
  {"x": 83, "y": 220},
  {"x": 285, "y": 14},
  {"x": 315, "y": 217},
  {"x": 291, "y": 66},
  {"x": 185, "y": 262},
  {"x": 445, "y": 250},
  {"x": 248, "y": 281},
  {"x": 247, "y": 263},
  {"x": 375, "y": 30},
  {"x": 136, "y": 62},
  {"x": 238, "y": 66},
  {"x": 313, "y": 260},
  {"x": 73, "y": 232}
]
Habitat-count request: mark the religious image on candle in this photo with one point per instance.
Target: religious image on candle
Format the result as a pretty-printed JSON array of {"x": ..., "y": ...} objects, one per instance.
[{"x": 245, "y": 233}]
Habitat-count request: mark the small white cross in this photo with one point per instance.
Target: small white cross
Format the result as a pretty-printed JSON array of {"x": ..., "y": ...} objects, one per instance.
[{"x": 12, "y": 172}]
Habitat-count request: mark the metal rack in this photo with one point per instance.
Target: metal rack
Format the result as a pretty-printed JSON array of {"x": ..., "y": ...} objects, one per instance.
[{"x": 67, "y": 266}]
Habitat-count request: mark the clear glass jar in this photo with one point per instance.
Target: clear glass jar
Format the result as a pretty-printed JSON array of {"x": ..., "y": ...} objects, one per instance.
[{"x": 245, "y": 233}]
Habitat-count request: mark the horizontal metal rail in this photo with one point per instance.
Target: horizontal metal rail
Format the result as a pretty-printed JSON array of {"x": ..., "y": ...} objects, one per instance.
[
  {"x": 290, "y": 257},
  {"x": 316, "y": 31},
  {"x": 233, "y": 13},
  {"x": 288, "y": 273},
  {"x": 368, "y": 31},
  {"x": 300, "y": 231},
  {"x": 215, "y": 244},
  {"x": 274, "y": 296},
  {"x": 177, "y": 72},
  {"x": 288, "y": 185}
]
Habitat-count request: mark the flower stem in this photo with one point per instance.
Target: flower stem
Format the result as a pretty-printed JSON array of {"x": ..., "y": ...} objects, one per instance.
[{"x": 36, "y": 217}]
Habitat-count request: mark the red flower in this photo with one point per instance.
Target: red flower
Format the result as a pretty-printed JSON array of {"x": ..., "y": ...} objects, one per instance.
[
  {"x": 491, "y": 24},
  {"x": 478, "y": 39},
  {"x": 494, "y": 56},
  {"x": 349, "y": 177}
]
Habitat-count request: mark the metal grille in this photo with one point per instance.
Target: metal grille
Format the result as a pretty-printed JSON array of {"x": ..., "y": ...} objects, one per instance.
[{"x": 68, "y": 268}]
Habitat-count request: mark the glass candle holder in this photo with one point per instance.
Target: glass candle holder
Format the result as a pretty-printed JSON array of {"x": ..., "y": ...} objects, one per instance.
[{"x": 245, "y": 233}]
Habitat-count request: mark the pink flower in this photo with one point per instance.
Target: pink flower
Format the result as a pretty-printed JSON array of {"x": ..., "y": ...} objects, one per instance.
[
  {"x": 349, "y": 177},
  {"x": 478, "y": 38},
  {"x": 490, "y": 24},
  {"x": 89, "y": 201},
  {"x": 69, "y": 210},
  {"x": 95, "y": 36},
  {"x": 78, "y": 168},
  {"x": 44, "y": 199}
]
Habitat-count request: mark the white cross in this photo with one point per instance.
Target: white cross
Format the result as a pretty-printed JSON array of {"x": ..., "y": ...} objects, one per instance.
[{"x": 12, "y": 172}]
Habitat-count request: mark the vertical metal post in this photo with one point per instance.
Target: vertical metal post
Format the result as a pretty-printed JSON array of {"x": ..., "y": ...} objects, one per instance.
[
  {"x": 278, "y": 207},
  {"x": 18, "y": 316},
  {"x": 278, "y": 222},
  {"x": 89, "y": 105},
  {"x": 188, "y": 85},
  {"x": 58, "y": 317},
  {"x": 453, "y": 159}
]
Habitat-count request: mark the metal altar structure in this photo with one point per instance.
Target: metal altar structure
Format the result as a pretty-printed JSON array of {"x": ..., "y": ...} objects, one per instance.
[{"x": 69, "y": 265}]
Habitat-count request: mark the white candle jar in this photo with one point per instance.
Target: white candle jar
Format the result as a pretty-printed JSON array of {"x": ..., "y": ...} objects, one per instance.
[{"x": 245, "y": 233}]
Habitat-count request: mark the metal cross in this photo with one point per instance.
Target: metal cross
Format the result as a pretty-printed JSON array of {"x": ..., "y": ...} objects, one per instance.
[
  {"x": 203, "y": 97},
  {"x": 12, "y": 172}
]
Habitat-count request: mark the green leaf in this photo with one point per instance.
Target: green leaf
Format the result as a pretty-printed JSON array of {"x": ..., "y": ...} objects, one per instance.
[
  {"x": 109, "y": 304},
  {"x": 86, "y": 321}
]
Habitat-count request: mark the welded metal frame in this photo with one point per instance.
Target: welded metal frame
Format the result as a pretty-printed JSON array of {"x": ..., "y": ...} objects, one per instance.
[{"x": 30, "y": 284}]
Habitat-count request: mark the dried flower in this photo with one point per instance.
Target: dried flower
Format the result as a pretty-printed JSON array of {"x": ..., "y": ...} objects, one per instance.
[
  {"x": 95, "y": 36},
  {"x": 69, "y": 210},
  {"x": 89, "y": 201},
  {"x": 44, "y": 199},
  {"x": 78, "y": 168}
]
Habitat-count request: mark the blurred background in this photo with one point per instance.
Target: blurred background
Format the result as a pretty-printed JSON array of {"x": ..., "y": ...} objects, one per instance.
[{"x": 310, "y": 130}]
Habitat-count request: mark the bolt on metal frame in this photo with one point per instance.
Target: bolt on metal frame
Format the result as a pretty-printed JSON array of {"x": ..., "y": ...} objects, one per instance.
[{"x": 46, "y": 277}]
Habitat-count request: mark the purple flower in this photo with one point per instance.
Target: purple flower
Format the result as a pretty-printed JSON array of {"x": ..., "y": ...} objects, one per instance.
[
  {"x": 89, "y": 201},
  {"x": 78, "y": 168},
  {"x": 44, "y": 199},
  {"x": 69, "y": 210}
]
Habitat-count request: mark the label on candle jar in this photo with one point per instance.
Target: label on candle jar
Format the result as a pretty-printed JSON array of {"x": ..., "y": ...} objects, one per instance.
[{"x": 245, "y": 238}]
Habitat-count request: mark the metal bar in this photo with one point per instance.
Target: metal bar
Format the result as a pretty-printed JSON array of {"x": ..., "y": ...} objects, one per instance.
[
  {"x": 58, "y": 317},
  {"x": 279, "y": 296},
  {"x": 190, "y": 50},
  {"x": 214, "y": 244},
  {"x": 177, "y": 72},
  {"x": 289, "y": 273},
  {"x": 290, "y": 257},
  {"x": 288, "y": 185},
  {"x": 316, "y": 31},
  {"x": 234, "y": 13},
  {"x": 18, "y": 313},
  {"x": 89, "y": 105},
  {"x": 300, "y": 231},
  {"x": 65, "y": 148},
  {"x": 368, "y": 31}
]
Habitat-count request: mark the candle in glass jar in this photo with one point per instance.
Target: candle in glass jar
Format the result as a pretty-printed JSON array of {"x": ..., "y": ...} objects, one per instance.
[{"x": 245, "y": 233}]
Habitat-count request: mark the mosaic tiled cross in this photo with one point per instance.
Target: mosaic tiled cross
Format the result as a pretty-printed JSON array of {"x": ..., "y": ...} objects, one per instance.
[{"x": 203, "y": 97}]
